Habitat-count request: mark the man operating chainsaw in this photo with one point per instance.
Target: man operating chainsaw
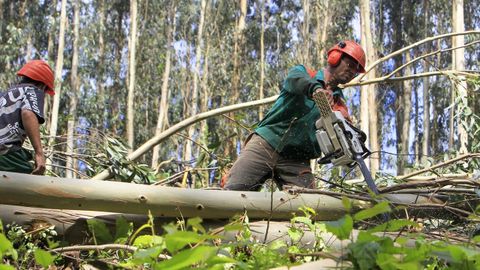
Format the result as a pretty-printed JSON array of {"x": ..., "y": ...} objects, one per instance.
[{"x": 284, "y": 142}]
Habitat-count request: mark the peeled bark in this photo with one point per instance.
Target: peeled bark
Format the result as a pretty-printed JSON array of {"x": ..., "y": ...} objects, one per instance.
[
  {"x": 262, "y": 56},
  {"x": 196, "y": 75},
  {"x": 163, "y": 107},
  {"x": 459, "y": 64},
  {"x": 131, "y": 74},
  {"x": 368, "y": 108},
  {"x": 92, "y": 195},
  {"x": 58, "y": 78},
  {"x": 74, "y": 97},
  {"x": 58, "y": 193}
]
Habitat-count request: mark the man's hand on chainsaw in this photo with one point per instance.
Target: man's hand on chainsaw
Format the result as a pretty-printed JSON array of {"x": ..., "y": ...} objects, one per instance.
[{"x": 328, "y": 93}]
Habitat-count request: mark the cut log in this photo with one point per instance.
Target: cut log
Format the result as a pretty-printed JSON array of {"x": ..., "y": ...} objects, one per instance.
[
  {"x": 118, "y": 197},
  {"x": 94, "y": 195}
]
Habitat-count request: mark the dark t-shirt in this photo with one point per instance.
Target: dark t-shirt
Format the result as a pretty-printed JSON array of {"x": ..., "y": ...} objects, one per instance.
[{"x": 19, "y": 97}]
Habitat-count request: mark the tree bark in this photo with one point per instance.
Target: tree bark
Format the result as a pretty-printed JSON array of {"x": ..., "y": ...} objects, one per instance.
[
  {"x": 131, "y": 75},
  {"x": 368, "y": 105},
  {"x": 239, "y": 40},
  {"x": 196, "y": 75},
  {"x": 74, "y": 96},
  {"x": 460, "y": 86},
  {"x": 165, "y": 93},
  {"x": 58, "y": 79},
  {"x": 101, "y": 67},
  {"x": 426, "y": 97},
  {"x": 58, "y": 193},
  {"x": 262, "y": 56}
]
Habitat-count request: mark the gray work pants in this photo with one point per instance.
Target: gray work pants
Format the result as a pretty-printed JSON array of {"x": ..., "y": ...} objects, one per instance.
[{"x": 258, "y": 161}]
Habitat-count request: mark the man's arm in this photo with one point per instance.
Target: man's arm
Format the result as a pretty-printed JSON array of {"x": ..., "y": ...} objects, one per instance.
[
  {"x": 299, "y": 82},
  {"x": 32, "y": 128}
]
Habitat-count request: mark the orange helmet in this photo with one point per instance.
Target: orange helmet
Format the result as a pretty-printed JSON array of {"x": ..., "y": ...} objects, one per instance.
[
  {"x": 40, "y": 71},
  {"x": 351, "y": 48}
]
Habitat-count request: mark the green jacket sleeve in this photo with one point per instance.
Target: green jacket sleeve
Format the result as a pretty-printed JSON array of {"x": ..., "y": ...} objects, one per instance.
[{"x": 299, "y": 82}]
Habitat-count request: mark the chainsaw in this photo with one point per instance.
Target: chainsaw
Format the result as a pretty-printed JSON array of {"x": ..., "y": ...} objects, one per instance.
[{"x": 341, "y": 143}]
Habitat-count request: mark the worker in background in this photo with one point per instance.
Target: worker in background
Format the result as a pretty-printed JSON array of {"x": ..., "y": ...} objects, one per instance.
[
  {"x": 21, "y": 114},
  {"x": 284, "y": 141}
]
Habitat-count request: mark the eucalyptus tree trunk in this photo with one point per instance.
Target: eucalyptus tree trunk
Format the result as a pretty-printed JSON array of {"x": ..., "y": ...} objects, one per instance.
[
  {"x": 327, "y": 17},
  {"x": 206, "y": 93},
  {"x": 239, "y": 41},
  {"x": 398, "y": 41},
  {"x": 117, "y": 87},
  {"x": 426, "y": 96},
  {"x": 50, "y": 43},
  {"x": 58, "y": 78},
  {"x": 165, "y": 93},
  {"x": 74, "y": 95},
  {"x": 368, "y": 106},
  {"x": 458, "y": 63},
  {"x": 262, "y": 55},
  {"x": 1, "y": 18},
  {"x": 304, "y": 50},
  {"x": 132, "y": 42},
  {"x": 102, "y": 100},
  {"x": 407, "y": 110},
  {"x": 196, "y": 75}
]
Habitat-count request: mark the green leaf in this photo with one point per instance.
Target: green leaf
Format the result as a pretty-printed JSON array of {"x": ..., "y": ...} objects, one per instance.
[
  {"x": 145, "y": 241},
  {"x": 5, "y": 244},
  {"x": 393, "y": 225},
  {"x": 6, "y": 267},
  {"x": 123, "y": 228},
  {"x": 364, "y": 254},
  {"x": 304, "y": 220},
  {"x": 233, "y": 227},
  {"x": 196, "y": 224},
  {"x": 341, "y": 228},
  {"x": 100, "y": 231},
  {"x": 148, "y": 255},
  {"x": 44, "y": 258},
  {"x": 379, "y": 208},
  {"x": 187, "y": 258},
  {"x": 180, "y": 239},
  {"x": 295, "y": 234},
  {"x": 347, "y": 203},
  {"x": 277, "y": 244}
]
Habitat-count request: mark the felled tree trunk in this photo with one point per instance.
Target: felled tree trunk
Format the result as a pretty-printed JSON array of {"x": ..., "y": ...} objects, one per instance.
[{"x": 58, "y": 193}]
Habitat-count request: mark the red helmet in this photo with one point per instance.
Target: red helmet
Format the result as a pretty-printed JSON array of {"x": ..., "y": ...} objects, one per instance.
[
  {"x": 350, "y": 48},
  {"x": 40, "y": 71}
]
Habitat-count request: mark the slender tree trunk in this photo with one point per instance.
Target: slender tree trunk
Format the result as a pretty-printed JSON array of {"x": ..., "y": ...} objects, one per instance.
[
  {"x": 426, "y": 86},
  {"x": 305, "y": 45},
  {"x": 101, "y": 66},
  {"x": 196, "y": 75},
  {"x": 50, "y": 52},
  {"x": 1, "y": 18},
  {"x": 417, "y": 138},
  {"x": 407, "y": 110},
  {"x": 131, "y": 74},
  {"x": 459, "y": 64},
  {"x": 368, "y": 108},
  {"x": 262, "y": 56},
  {"x": 230, "y": 146},
  {"x": 396, "y": 15},
  {"x": 116, "y": 88},
  {"x": 163, "y": 106},
  {"x": 74, "y": 96},
  {"x": 58, "y": 78},
  {"x": 327, "y": 17}
]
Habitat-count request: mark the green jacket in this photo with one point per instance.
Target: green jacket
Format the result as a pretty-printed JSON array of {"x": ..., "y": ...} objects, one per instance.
[{"x": 289, "y": 126}]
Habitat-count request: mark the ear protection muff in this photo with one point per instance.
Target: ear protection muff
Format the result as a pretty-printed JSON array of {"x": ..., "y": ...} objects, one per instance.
[{"x": 335, "y": 55}]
